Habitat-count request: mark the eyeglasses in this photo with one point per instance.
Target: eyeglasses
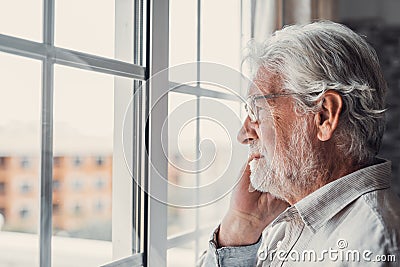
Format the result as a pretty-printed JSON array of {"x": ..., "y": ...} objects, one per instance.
[{"x": 252, "y": 109}]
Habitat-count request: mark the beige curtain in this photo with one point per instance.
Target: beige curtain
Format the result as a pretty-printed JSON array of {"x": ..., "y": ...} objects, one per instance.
[{"x": 269, "y": 15}]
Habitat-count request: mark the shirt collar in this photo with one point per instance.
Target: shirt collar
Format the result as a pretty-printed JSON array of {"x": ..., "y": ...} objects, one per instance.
[{"x": 321, "y": 205}]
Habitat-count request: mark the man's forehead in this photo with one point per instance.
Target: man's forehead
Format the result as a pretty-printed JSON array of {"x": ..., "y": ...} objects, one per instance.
[{"x": 265, "y": 82}]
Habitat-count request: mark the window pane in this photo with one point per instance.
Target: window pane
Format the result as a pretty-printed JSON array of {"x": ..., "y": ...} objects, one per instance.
[
  {"x": 22, "y": 19},
  {"x": 83, "y": 145},
  {"x": 182, "y": 155},
  {"x": 203, "y": 179},
  {"x": 221, "y": 43},
  {"x": 228, "y": 157},
  {"x": 20, "y": 90},
  {"x": 89, "y": 26},
  {"x": 182, "y": 33},
  {"x": 85, "y": 26},
  {"x": 220, "y": 36}
]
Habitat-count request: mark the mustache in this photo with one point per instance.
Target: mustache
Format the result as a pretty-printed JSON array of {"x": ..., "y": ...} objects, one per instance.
[{"x": 255, "y": 148}]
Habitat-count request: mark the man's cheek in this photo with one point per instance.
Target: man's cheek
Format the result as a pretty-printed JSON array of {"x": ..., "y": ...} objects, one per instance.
[{"x": 267, "y": 138}]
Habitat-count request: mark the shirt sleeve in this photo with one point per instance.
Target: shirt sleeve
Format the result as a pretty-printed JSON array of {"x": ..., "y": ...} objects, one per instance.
[{"x": 241, "y": 256}]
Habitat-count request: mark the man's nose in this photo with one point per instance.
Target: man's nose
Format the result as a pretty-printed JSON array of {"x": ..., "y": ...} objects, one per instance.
[{"x": 247, "y": 133}]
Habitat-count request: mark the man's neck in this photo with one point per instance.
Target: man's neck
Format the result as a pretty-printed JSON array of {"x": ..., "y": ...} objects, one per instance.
[{"x": 336, "y": 170}]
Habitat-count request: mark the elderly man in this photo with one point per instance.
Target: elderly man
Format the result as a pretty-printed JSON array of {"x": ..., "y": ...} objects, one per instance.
[{"x": 313, "y": 191}]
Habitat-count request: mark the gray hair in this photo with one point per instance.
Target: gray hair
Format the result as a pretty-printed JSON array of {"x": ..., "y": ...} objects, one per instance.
[{"x": 321, "y": 56}]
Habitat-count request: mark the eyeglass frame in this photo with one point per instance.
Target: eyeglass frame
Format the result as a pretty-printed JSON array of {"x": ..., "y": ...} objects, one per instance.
[{"x": 253, "y": 110}]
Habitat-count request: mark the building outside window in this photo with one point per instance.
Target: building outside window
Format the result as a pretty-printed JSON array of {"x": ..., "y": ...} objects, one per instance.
[
  {"x": 77, "y": 161},
  {"x": 99, "y": 206},
  {"x": 56, "y": 185},
  {"x": 99, "y": 160},
  {"x": 100, "y": 182},
  {"x": 25, "y": 187},
  {"x": 77, "y": 208},
  {"x": 24, "y": 162},
  {"x": 57, "y": 161},
  {"x": 24, "y": 213},
  {"x": 56, "y": 208},
  {"x": 77, "y": 184},
  {"x": 2, "y": 162},
  {"x": 2, "y": 188}
]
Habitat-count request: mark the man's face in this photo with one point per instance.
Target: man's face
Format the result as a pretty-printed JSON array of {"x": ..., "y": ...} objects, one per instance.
[{"x": 278, "y": 140}]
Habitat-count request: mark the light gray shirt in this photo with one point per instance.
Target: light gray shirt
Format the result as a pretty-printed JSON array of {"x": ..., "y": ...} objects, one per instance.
[{"x": 352, "y": 221}]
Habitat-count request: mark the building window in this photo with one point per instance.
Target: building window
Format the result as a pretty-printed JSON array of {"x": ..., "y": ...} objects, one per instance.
[
  {"x": 57, "y": 161},
  {"x": 77, "y": 209},
  {"x": 77, "y": 184},
  {"x": 100, "y": 160},
  {"x": 56, "y": 185},
  {"x": 2, "y": 188},
  {"x": 100, "y": 183},
  {"x": 25, "y": 188},
  {"x": 77, "y": 161},
  {"x": 56, "y": 208},
  {"x": 24, "y": 213},
  {"x": 2, "y": 162},
  {"x": 24, "y": 162},
  {"x": 99, "y": 206}
]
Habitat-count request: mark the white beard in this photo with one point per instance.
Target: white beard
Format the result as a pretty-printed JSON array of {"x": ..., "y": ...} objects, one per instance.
[
  {"x": 288, "y": 170},
  {"x": 259, "y": 174},
  {"x": 260, "y": 169}
]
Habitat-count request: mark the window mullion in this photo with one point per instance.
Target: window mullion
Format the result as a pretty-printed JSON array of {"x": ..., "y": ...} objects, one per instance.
[
  {"x": 157, "y": 64},
  {"x": 46, "y": 173},
  {"x": 198, "y": 154},
  {"x": 122, "y": 195},
  {"x": 138, "y": 130}
]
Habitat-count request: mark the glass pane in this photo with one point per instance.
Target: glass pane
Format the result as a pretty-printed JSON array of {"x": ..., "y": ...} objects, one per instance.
[
  {"x": 182, "y": 33},
  {"x": 207, "y": 171},
  {"x": 85, "y": 26},
  {"x": 221, "y": 36},
  {"x": 207, "y": 176},
  {"x": 181, "y": 256},
  {"x": 20, "y": 90},
  {"x": 221, "y": 45},
  {"x": 22, "y": 19},
  {"x": 228, "y": 155},
  {"x": 89, "y": 26},
  {"x": 220, "y": 121},
  {"x": 83, "y": 146},
  {"x": 182, "y": 155}
]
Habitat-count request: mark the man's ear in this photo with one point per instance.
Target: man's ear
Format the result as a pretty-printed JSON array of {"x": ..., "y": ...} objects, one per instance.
[{"x": 327, "y": 118}]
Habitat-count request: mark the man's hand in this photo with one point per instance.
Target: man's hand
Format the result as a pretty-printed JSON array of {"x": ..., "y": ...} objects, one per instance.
[{"x": 249, "y": 213}]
